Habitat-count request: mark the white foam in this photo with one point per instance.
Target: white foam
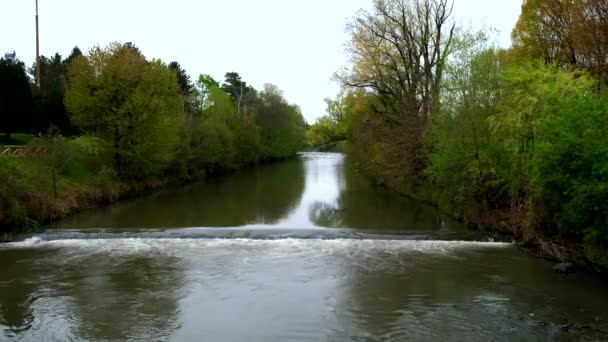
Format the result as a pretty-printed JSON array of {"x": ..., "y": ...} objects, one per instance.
[{"x": 139, "y": 244}]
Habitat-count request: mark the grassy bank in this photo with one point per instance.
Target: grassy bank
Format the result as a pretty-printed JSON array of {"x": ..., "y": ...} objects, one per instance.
[
  {"x": 71, "y": 177},
  {"x": 74, "y": 175}
]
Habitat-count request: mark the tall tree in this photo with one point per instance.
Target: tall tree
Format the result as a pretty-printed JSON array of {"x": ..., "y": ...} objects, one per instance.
[
  {"x": 237, "y": 89},
  {"x": 572, "y": 33},
  {"x": 182, "y": 78},
  {"x": 398, "y": 54},
  {"x": 283, "y": 129},
  {"x": 15, "y": 95},
  {"x": 115, "y": 93},
  {"x": 49, "y": 96},
  {"x": 76, "y": 52},
  {"x": 399, "y": 51}
]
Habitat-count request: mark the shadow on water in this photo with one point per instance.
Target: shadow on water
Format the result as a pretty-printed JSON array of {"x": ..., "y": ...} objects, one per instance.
[
  {"x": 19, "y": 283},
  {"x": 262, "y": 195}
]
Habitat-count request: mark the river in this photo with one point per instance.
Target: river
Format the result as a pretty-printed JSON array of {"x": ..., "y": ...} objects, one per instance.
[{"x": 300, "y": 250}]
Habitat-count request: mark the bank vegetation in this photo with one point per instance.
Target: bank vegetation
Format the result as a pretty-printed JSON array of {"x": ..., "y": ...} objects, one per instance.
[
  {"x": 115, "y": 123},
  {"x": 513, "y": 140}
]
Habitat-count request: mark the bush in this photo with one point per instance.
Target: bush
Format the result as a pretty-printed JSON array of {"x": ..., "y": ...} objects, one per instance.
[{"x": 572, "y": 172}]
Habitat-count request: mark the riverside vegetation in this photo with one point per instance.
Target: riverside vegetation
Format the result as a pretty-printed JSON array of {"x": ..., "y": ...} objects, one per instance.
[
  {"x": 116, "y": 123},
  {"x": 510, "y": 139}
]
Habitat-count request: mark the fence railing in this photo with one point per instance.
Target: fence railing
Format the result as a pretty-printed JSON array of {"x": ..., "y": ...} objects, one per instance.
[{"x": 22, "y": 151}]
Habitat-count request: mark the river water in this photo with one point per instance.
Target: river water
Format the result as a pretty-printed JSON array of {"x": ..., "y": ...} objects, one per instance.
[{"x": 301, "y": 250}]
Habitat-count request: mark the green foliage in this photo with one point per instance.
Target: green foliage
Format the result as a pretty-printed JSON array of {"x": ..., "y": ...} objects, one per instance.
[
  {"x": 15, "y": 96},
  {"x": 571, "y": 169},
  {"x": 335, "y": 125},
  {"x": 15, "y": 215},
  {"x": 51, "y": 112},
  {"x": 217, "y": 139},
  {"x": 466, "y": 162},
  {"x": 20, "y": 139},
  {"x": 142, "y": 122},
  {"x": 118, "y": 95},
  {"x": 282, "y": 126}
]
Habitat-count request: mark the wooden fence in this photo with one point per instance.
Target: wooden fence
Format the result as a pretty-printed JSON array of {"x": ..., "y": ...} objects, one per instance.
[{"x": 22, "y": 151}]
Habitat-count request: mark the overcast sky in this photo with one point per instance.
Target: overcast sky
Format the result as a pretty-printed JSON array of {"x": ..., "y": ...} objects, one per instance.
[{"x": 295, "y": 44}]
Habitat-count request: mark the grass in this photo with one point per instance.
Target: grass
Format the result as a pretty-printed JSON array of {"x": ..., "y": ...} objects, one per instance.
[{"x": 19, "y": 139}]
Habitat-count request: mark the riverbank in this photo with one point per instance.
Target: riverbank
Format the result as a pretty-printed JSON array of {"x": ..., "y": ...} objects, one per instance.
[
  {"x": 37, "y": 191},
  {"x": 559, "y": 250}
]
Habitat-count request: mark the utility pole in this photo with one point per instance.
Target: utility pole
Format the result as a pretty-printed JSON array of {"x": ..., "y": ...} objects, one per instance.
[{"x": 37, "y": 49}]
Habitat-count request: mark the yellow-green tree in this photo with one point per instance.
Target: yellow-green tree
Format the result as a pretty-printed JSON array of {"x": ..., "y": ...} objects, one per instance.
[
  {"x": 135, "y": 104},
  {"x": 571, "y": 33}
]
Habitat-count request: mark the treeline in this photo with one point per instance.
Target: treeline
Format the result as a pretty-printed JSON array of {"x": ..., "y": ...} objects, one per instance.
[
  {"x": 508, "y": 139},
  {"x": 112, "y": 119}
]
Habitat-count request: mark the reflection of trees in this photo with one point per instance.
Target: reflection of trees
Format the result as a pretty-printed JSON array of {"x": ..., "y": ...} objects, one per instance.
[
  {"x": 363, "y": 205},
  {"x": 19, "y": 280},
  {"x": 118, "y": 298},
  {"x": 257, "y": 195},
  {"x": 426, "y": 296}
]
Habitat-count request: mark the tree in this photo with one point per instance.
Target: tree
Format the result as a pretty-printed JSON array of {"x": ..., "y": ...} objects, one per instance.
[
  {"x": 282, "y": 126},
  {"x": 76, "y": 52},
  {"x": 335, "y": 125},
  {"x": 15, "y": 95},
  {"x": 467, "y": 163},
  {"x": 203, "y": 87},
  {"x": 115, "y": 93},
  {"x": 572, "y": 33},
  {"x": 182, "y": 78},
  {"x": 49, "y": 96},
  {"x": 237, "y": 89},
  {"x": 398, "y": 54}
]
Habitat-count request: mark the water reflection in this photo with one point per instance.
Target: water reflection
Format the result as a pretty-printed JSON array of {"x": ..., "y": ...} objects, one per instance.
[
  {"x": 19, "y": 282},
  {"x": 420, "y": 296},
  {"x": 262, "y": 195},
  {"x": 123, "y": 299},
  {"x": 361, "y": 205},
  {"x": 63, "y": 294}
]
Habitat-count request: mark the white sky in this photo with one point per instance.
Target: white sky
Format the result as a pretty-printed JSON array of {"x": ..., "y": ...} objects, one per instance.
[{"x": 296, "y": 45}]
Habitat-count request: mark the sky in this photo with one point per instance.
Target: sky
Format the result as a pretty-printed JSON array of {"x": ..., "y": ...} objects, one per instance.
[{"x": 294, "y": 44}]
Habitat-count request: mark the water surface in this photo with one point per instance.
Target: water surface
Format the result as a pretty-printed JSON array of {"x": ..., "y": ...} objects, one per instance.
[{"x": 302, "y": 250}]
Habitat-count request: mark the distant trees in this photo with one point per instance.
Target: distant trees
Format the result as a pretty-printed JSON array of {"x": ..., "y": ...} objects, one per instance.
[
  {"x": 48, "y": 97},
  {"x": 15, "y": 96},
  {"x": 569, "y": 33},
  {"x": 131, "y": 123},
  {"x": 32, "y": 108},
  {"x": 282, "y": 126}
]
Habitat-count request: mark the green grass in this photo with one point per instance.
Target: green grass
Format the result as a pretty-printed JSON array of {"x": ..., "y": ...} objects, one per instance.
[{"x": 19, "y": 139}]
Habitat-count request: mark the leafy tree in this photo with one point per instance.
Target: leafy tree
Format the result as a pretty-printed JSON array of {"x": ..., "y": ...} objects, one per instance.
[
  {"x": 115, "y": 93},
  {"x": 571, "y": 186},
  {"x": 334, "y": 126},
  {"x": 282, "y": 126},
  {"x": 568, "y": 33},
  {"x": 15, "y": 95},
  {"x": 182, "y": 78},
  {"x": 217, "y": 147},
  {"x": 203, "y": 87},
  {"x": 49, "y": 96},
  {"x": 76, "y": 52},
  {"x": 467, "y": 162},
  {"x": 398, "y": 54},
  {"x": 238, "y": 90}
]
